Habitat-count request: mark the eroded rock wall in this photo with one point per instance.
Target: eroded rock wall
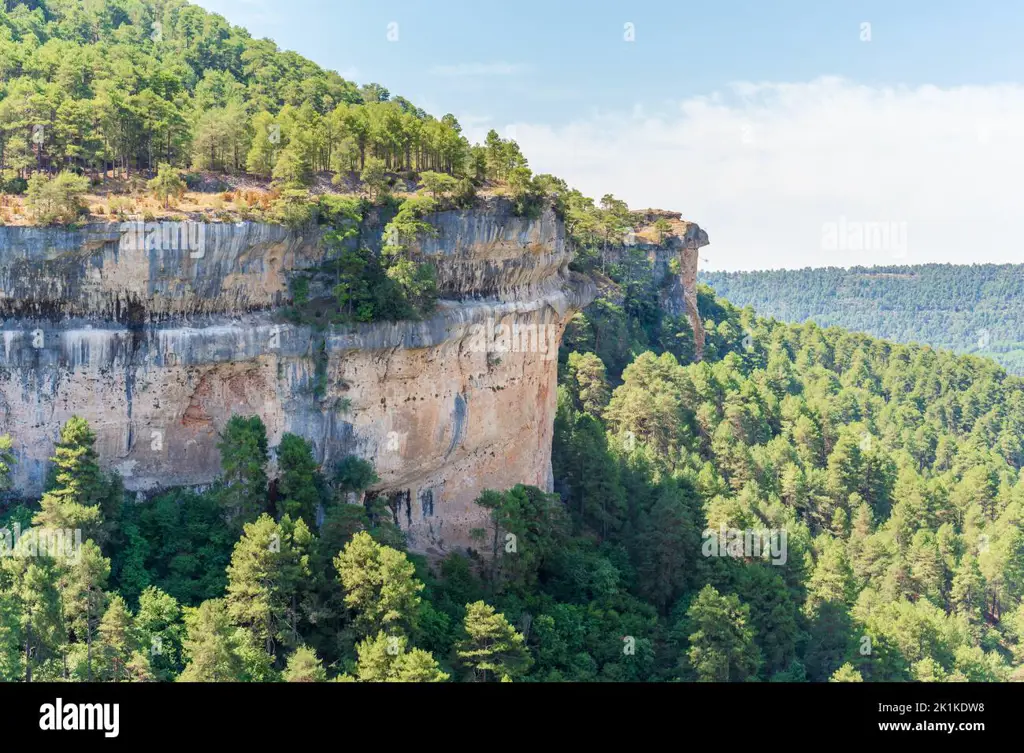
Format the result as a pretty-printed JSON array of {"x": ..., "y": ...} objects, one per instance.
[
  {"x": 674, "y": 263},
  {"x": 157, "y": 347}
]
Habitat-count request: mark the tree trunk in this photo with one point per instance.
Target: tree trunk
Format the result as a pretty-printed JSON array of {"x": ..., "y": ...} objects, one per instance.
[
  {"x": 494, "y": 553},
  {"x": 28, "y": 649},
  {"x": 88, "y": 639}
]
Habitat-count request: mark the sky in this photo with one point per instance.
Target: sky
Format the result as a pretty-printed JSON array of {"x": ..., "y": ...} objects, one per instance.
[{"x": 795, "y": 132}]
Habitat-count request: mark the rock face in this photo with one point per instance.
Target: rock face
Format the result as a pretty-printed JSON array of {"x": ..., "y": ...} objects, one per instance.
[
  {"x": 674, "y": 263},
  {"x": 157, "y": 335}
]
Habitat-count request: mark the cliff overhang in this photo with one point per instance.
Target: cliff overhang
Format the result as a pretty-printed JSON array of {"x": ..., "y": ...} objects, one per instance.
[{"x": 158, "y": 343}]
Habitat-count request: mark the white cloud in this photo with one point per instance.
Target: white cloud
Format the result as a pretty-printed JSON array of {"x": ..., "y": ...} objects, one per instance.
[
  {"x": 478, "y": 69},
  {"x": 769, "y": 169}
]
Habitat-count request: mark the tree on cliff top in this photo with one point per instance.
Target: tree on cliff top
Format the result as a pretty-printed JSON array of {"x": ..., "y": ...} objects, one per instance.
[
  {"x": 167, "y": 185},
  {"x": 374, "y": 177},
  {"x": 56, "y": 200},
  {"x": 440, "y": 185},
  {"x": 662, "y": 227}
]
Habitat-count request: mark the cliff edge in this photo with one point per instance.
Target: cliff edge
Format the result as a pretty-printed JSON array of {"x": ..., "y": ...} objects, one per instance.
[
  {"x": 156, "y": 334},
  {"x": 157, "y": 337}
]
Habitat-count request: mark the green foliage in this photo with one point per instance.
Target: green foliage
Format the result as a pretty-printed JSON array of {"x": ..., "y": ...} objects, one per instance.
[
  {"x": 267, "y": 567},
  {"x": 721, "y": 642},
  {"x": 894, "y": 470},
  {"x": 211, "y": 646},
  {"x": 492, "y": 649},
  {"x": 304, "y": 666},
  {"x": 380, "y": 587},
  {"x": 206, "y": 95},
  {"x": 662, "y": 227},
  {"x": 588, "y": 383},
  {"x": 117, "y": 643},
  {"x": 160, "y": 632},
  {"x": 439, "y": 185},
  {"x": 58, "y": 200},
  {"x": 74, "y": 499},
  {"x": 386, "y": 658},
  {"x": 188, "y": 544},
  {"x": 83, "y": 599},
  {"x": 374, "y": 178},
  {"x": 846, "y": 673},
  {"x": 526, "y": 195},
  {"x": 502, "y": 156},
  {"x": 293, "y": 209},
  {"x": 7, "y": 461},
  {"x": 528, "y": 527},
  {"x": 353, "y": 474},
  {"x": 299, "y": 483},
  {"x": 243, "y": 451},
  {"x": 167, "y": 185},
  {"x": 369, "y": 286},
  {"x": 887, "y": 465},
  {"x": 972, "y": 309}
]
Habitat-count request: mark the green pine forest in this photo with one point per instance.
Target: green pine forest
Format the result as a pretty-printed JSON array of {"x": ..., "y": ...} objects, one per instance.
[
  {"x": 974, "y": 308},
  {"x": 894, "y": 469}
]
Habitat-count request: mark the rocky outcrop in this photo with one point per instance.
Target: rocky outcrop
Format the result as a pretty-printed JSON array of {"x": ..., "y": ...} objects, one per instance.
[
  {"x": 157, "y": 335},
  {"x": 674, "y": 263}
]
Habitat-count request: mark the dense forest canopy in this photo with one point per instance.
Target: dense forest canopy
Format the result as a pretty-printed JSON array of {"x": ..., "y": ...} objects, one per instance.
[
  {"x": 890, "y": 475},
  {"x": 127, "y": 84},
  {"x": 806, "y": 504},
  {"x": 975, "y": 308}
]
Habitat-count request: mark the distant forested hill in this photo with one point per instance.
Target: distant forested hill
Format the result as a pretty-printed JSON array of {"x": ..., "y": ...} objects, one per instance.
[{"x": 975, "y": 309}]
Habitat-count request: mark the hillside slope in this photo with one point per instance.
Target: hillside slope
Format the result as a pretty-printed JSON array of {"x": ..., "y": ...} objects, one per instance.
[{"x": 976, "y": 308}]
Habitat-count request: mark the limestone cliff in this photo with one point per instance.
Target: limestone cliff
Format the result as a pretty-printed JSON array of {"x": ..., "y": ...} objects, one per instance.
[
  {"x": 674, "y": 259},
  {"x": 157, "y": 335},
  {"x": 157, "y": 343}
]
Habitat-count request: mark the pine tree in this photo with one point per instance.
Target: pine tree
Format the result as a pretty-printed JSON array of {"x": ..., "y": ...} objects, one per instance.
[
  {"x": 167, "y": 185},
  {"x": 10, "y": 651},
  {"x": 587, "y": 371},
  {"x": 669, "y": 536},
  {"x": 263, "y": 579},
  {"x": 492, "y": 648},
  {"x": 116, "y": 640},
  {"x": 298, "y": 486},
  {"x": 722, "y": 647},
  {"x": 304, "y": 666},
  {"x": 388, "y": 658},
  {"x": 266, "y": 143},
  {"x": 380, "y": 586},
  {"x": 34, "y": 614},
  {"x": 159, "y": 629},
  {"x": 73, "y": 500},
  {"x": 211, "y": 646},
  {"x": 84, "y": 600},
  {"x": 846, "y": 673},
  {"x": 139, "y": 669},
  {"x": 243, "y": 452}
]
